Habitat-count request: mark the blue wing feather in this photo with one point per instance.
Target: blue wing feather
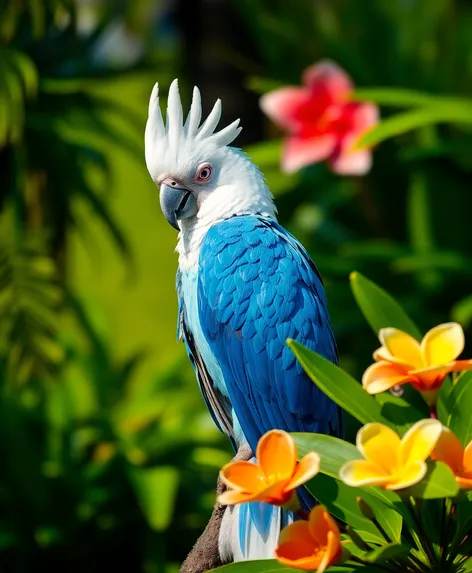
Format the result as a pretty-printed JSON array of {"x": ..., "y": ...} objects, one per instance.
[{"x": 259, "y": 290}]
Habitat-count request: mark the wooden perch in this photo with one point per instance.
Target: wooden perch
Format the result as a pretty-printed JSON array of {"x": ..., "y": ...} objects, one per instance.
[{"x": 205, "y": 554}]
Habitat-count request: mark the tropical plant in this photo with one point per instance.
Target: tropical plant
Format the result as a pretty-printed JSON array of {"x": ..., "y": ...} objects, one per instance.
[
  {"x": 51, "y": 127},
  {"x": 401, "y": 496}
]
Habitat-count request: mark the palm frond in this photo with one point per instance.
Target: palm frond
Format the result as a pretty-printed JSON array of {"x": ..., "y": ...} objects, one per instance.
[
  {"x": 18, "y": 82},
  {"x": 30, "y": 301}
]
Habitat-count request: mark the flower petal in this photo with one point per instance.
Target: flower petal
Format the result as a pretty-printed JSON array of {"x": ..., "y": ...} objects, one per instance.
[
  {"x": 233, "y": 497},
  {"x": 307, "y": 468},
  {"x": 352, "y": 162},
  {"x": 298, "y": 555},
  {"x": 328, "y": 81},
  {"x": 382, "y": 355},
  {"x": 443, "y": 343},
  {"x": 243, "y": 476},
  {"x": 354, "y": 121},
  {"x": 448, "y": 449},
  {"x": 382, "y": 376},
  {"x": 408, "y": 475},
  {"x": 361, "y": 472},
  {"x": 364, "y": 116},
  {"x": 460, "y": 365},
  {"x": 277, "y": 455},
  {"x": 321, "y": 523},
  {"x": 402, "y": 347},
  {"x": 432, "y": 376},
  {"x": 419, "y": 441},
  {"x": 464, "y": 482},
  {"x": 282, "y": 105},
  {"x": 380, "y": 445},
  {"x": 467, "y": 459},
  {"x": 275, "y": 494},
  {"x": 301, "y": 151},
  {"x": 332, "y": 552},
  {"x": 298, "y": 530}
]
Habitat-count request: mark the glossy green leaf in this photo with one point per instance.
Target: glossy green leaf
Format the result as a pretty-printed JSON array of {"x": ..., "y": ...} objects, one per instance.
[
  {"x": 443, "y": 406},
  {"x": 460, "y": 408},
  {"x": 462, "y": 311},
  {"x": 386, "y": 552},
  {"x": 467, "y": 566},
  {"x": 396, "y": 97},
  {"x": 341, "y": 501},
  {"x": 410, "y": 120},
  {"x": 404, "y": 410},
  {"x": 333, "y": 452},
  {"x": 462, "y": 519},
  {"x": 156, "y": 489},
  {"x": 339, "y": 385},
  {"x": 261, "y": 85},
  {"x": 439, "y": 482},
  {"x": 379, "y": 308}
]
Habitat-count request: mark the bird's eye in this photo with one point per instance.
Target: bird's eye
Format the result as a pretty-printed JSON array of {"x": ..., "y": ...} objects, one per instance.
[{"x": 203, "y": 173}]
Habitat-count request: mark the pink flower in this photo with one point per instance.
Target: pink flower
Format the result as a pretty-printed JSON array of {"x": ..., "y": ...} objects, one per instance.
[{"x": 323, "y": 123}]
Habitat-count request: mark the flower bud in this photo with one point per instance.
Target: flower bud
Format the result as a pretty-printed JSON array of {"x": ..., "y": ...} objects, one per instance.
[{"x": 365, "y": 509}]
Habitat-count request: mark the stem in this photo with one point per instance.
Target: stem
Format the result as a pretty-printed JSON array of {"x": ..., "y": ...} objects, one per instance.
[
  {"x": 445, "y": 535},
  {"x": 420, "y": 565},
  {"x": 377, "y": 565},
  {"x": 423, "y": 541},
  {"x": 382, "y": 530},
  {"x": 442, "y": 549}
]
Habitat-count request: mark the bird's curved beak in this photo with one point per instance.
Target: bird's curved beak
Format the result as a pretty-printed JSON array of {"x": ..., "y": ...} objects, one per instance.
[{"x": 177, "y": 201}]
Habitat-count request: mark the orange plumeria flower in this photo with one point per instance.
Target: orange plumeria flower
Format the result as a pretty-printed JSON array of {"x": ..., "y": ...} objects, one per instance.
[
  {"x": 390, "y": 462},
  {"x": 275, "y": 475},
  {"x": 424, "y": 365},
  {"x": 450, "y": 451},
  {"x": 311, "y": 545}
]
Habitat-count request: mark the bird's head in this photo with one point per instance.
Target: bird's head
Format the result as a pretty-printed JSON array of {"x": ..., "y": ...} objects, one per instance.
[{"x": 200, "y": 178}]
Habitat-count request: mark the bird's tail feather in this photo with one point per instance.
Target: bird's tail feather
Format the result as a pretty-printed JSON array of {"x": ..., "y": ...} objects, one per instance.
[{"x": 251, "y": 531}]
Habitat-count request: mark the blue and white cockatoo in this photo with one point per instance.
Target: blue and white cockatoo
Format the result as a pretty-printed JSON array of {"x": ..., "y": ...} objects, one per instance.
[{"x": 244, "y": 286}]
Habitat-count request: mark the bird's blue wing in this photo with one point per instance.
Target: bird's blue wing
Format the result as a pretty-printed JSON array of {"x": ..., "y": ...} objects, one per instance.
[
  {"x": 257, "y": 287},
  {"x": 216, "y": 402}
]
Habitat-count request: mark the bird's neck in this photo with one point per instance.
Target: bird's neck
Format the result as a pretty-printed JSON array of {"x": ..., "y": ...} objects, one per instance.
[{"x": 246, "y": 194}]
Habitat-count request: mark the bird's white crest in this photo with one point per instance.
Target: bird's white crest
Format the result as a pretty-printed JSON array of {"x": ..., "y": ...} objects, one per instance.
[{"x": 166, "y": 143}]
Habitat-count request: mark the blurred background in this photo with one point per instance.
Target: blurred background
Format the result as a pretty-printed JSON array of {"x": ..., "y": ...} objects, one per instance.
[{"x": 107, "y": 455}]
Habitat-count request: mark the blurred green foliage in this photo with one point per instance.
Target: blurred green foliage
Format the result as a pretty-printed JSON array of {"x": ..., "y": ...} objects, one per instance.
[{"x": 108, "y": 456}]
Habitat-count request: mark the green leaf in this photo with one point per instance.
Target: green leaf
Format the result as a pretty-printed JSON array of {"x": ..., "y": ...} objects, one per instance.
[
  {"x": 462, "y": 311},
  {"x": 400, "y": 97},
  {"x": 443, "y": 406},
  {"x": 404, "y": 410},
  {"x": 334, "y": 452},
  {"x": 155, "y": 490},
  {"x": 390, "y": 551},
  {"x": 341, "y": 501},
  {"x": 396, "y": 97},
  {"x": 339, "y": 385},
  {"x": 379, "y": 308},
  {"x": 438, "y": 482},
  {"x": 261, "y": 85},
  {"x": 410, "y": 120},
  {"x": 460, "y": 408},
  {"x": 462, "y": 520}
]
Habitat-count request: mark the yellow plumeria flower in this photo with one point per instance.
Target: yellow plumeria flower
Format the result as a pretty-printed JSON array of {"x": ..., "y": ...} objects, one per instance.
[
  {"x": 390, "y": 462},
  {"x": 424, "y": 365}
]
